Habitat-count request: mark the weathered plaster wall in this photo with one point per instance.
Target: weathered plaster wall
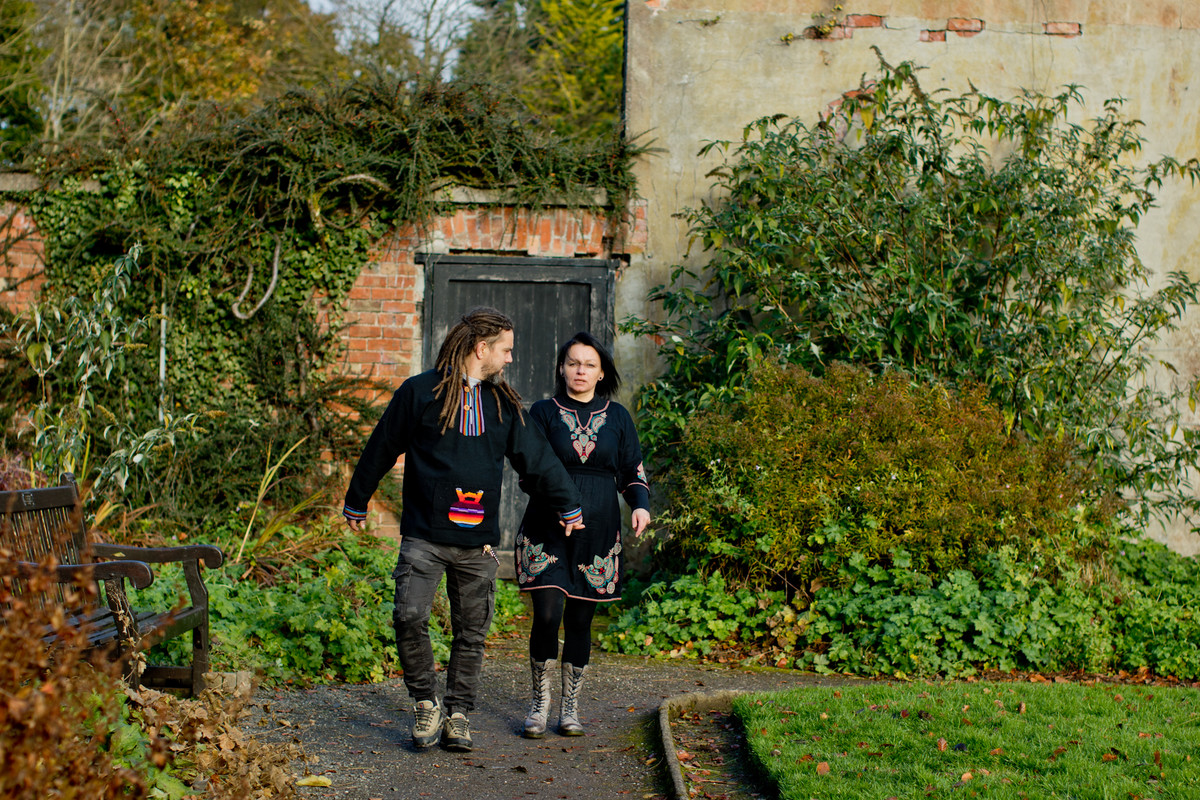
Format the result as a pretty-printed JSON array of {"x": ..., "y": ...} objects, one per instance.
[{"x": 699, "y": 70}]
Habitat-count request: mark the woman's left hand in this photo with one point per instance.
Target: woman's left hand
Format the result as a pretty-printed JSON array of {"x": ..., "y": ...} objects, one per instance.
[{"x": 639, "y": 520}]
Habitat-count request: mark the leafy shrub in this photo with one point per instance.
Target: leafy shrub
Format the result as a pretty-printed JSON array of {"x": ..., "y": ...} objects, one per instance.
[
  {"x": 1131, "y": 608},
  {"x": 781, "y": 487},
  {"x": 961, "y": 238},
  {"x": 689, "y": 616},
  {"x": 1011, "y": 614},
  {"x": 901, "y": 621},
  {"x": 1154, "y": 610},
  {"x": 329, "y": 618}
]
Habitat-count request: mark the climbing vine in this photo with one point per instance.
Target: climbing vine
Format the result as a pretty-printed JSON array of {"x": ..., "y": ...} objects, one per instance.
[{"x": 253, "y": 229}]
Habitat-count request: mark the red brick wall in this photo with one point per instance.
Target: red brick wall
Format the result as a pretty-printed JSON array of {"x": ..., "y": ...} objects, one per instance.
[{"x": 21, "y": 271}]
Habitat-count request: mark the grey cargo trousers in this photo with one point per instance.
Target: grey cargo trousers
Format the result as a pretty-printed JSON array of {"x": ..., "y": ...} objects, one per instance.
[{"x": 471, "y": 587}]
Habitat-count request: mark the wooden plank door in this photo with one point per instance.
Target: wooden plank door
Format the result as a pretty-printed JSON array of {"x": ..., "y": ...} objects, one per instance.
[{"x": 548, "y": 300}]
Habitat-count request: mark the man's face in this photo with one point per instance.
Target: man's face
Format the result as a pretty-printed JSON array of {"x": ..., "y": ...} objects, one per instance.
[{"x": 496, "y": 354}]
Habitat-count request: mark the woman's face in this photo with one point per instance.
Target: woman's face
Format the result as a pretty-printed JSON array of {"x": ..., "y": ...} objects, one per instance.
[{"x": 581, "y": 371}]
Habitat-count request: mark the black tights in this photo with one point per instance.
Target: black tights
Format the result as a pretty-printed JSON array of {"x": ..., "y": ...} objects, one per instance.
[{"x": 552, "y": 608}]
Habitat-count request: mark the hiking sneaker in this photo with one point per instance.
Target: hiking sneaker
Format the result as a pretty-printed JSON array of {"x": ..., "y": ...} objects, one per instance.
[
  {"x": 456, "y": 733},
  {"x": 427, "y": 723}
]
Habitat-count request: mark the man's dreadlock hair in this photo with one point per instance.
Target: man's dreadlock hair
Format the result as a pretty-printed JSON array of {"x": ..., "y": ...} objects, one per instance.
[{"x": 477, "y": 325}]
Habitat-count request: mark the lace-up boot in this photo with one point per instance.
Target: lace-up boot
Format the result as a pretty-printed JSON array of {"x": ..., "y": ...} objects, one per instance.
[
  {"x": 539, "y": 710},
  {"x": 572, "y": 683}
]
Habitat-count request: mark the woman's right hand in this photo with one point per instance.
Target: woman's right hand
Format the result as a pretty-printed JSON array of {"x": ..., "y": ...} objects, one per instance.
[{"x": 639, "y": 519}]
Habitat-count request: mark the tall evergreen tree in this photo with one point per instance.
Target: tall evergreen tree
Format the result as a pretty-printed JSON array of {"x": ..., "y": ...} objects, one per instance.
[
  {"x": 498, "y": 48},
  {"x": 576, "y": 84},
  {"x": 20, "y": 84}
]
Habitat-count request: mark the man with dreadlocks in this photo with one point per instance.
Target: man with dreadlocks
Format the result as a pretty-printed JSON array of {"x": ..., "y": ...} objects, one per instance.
[{"x": 454, "y": 425}]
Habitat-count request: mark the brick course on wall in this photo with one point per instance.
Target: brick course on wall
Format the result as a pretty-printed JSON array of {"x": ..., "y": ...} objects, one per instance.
[{"x": 966, "y": 27}]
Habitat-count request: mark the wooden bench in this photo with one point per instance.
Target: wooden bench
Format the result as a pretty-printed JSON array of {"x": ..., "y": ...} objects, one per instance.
[{"x": 40, "y": 525}]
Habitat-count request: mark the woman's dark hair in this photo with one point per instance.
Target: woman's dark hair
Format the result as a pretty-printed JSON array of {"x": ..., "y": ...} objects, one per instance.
[{"x": 611, "y": 381}]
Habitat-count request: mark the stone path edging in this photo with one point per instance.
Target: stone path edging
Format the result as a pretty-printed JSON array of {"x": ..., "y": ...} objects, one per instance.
[{"x": 680, "y": 704}]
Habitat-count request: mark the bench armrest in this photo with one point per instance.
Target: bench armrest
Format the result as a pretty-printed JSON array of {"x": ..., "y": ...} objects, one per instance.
[
  {"x": 211, "y": 556},
  {"x": 190, "y": 556},
  {"x": 138, "y": 573}
]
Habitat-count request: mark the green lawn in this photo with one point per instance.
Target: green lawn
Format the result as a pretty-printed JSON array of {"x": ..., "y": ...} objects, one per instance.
[{"x": 991, "y": 740}]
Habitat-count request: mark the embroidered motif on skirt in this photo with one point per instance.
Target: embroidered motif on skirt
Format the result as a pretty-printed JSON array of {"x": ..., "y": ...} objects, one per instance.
[
  {"x": 531, "y": 559},
  {"x": 603, "y": 572}
]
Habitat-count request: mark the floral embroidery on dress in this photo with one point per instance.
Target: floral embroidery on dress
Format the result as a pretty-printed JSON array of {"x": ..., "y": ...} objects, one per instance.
[
  {"x": 601, "y": 574},
  {"x": 641, "y": 473},
  {"x": 583, "y": 437},
  {"x": 531, "y": 560}
]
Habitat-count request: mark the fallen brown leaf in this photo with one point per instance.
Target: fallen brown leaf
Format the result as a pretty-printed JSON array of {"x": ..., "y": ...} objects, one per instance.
[{"x": 823, "y": 768}]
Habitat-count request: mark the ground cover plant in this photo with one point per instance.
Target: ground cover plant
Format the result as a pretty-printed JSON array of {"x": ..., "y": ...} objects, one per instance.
[
  {"x": 325, "y": 616},
  {"x": 879, "y": 526},
  {"x": 984, "y": 739}
]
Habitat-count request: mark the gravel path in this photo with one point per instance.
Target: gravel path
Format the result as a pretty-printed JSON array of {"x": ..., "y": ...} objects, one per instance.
[{"x": 360, "y": 737}]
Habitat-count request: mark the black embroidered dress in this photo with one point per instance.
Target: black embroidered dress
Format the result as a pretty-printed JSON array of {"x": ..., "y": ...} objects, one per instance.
[{"x": 597, "y": 443}]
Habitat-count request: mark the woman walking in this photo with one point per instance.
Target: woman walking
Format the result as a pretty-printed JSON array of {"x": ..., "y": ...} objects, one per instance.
[{"x": 567, "y": 575}]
